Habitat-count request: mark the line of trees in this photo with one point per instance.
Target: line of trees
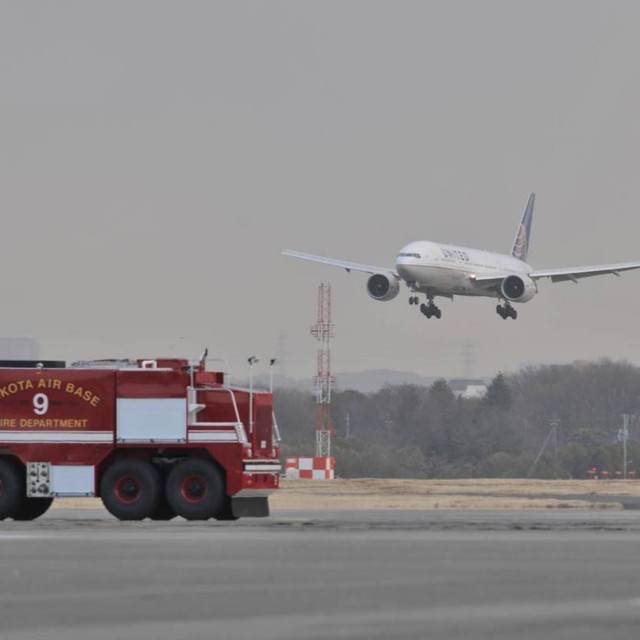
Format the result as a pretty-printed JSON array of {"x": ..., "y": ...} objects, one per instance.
[{"x": 421, "y": 432}]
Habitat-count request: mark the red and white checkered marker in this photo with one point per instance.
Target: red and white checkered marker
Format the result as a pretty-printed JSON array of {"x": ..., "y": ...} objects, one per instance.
[{"x": 310, "y": 468}]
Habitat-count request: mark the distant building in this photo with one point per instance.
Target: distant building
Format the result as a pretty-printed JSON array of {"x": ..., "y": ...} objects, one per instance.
[
  {"x": 474, "y": 391},
  {"x": 468, "y": 388}
]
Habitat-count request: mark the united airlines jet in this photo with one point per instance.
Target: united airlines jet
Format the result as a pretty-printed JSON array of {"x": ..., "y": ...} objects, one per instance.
[{"x": 434, "y": 269}]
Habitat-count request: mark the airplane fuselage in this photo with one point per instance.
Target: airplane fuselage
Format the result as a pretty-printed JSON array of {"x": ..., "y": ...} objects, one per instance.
[{"x": 452, "y": 270}]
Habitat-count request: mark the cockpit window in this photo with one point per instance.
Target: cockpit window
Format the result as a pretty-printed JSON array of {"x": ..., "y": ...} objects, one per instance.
[{"x": 408, "y": 255}]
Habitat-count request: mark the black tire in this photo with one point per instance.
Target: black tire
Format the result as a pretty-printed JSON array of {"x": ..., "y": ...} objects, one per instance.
[
  {"x": 226, "y": 513},
  {"x": 131, "y": 489},
  {"x": 195, "y": 489},
  {"x": 32, "y": 508},
  {"x": 12, "y": 489},
  {"x": 163, "y": 511}
]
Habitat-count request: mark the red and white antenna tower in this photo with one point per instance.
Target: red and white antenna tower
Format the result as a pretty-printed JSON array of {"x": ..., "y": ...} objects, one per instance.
[{"x": 322, "y": 331}]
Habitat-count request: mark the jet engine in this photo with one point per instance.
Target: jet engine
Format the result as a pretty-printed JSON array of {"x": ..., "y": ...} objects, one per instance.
[
  {"x": 518, "y": 288},
  {"x": 383, "y": 286}
]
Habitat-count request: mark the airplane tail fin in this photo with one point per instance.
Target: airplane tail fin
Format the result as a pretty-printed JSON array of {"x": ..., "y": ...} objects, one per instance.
[{"x": 520, "y": 247}]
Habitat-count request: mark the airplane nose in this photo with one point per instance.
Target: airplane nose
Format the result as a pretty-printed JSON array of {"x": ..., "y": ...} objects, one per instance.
[{"x": 403, "y": 270}]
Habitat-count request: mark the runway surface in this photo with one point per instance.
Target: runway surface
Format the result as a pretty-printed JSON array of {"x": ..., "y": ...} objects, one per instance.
[{"x": 79, "y": 574}]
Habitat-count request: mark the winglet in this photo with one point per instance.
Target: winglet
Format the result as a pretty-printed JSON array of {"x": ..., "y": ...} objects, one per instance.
[{"x": 520, "y": 247}]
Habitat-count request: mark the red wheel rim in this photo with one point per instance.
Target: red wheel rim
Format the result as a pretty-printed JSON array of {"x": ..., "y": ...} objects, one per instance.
[
  {"x": 128, "y": 489},
  {"x": 194, "y": 489}
]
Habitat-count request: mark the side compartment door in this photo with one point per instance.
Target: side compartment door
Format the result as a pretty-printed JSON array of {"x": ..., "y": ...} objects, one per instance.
[{"x": 151, "y": 406}]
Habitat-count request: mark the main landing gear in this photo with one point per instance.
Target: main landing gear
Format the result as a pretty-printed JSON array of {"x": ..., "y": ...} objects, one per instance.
[
  {"x": 428, "y": 310},
  {"x": 506, "y": 311}
]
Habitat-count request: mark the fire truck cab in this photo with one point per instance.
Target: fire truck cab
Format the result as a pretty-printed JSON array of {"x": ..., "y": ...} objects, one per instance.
[{"x": 152, "y": 438}]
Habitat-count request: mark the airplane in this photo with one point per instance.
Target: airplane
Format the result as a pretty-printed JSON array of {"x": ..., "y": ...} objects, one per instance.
[{"x": 444, "y": 270}]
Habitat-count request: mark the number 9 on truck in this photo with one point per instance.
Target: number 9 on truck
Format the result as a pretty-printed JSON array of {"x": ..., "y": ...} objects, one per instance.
[{"x": 40, "y": 404}]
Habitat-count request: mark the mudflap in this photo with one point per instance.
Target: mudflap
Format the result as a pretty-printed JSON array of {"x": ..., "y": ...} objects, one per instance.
[{"x": 250, "y": 507}]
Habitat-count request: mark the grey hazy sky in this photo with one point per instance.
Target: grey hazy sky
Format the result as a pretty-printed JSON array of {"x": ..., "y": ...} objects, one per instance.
[{"x": 156, "y": 157}]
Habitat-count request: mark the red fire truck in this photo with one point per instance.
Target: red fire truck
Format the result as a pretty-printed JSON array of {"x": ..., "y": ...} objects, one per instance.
[{"x": 152, "y": 438}]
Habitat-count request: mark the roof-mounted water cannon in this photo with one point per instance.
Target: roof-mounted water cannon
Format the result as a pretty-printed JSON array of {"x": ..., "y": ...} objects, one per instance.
[
  {"x": 200, "y": 375},
  {"x": 203, "y": 359}
]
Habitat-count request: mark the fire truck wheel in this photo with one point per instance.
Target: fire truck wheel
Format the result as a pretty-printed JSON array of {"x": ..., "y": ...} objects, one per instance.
[
  {"x": 226, "y": 513},
  {"x": 131, "y": 489},
  {"x": 12, "y": 489},
  {"x": 32, "y": 508},
  {"x": 163, "y": 511},
  {"x": 195, "y": 489}
]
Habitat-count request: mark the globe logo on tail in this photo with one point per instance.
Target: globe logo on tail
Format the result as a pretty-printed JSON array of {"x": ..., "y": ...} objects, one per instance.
[{"x": 520, "y": 244}]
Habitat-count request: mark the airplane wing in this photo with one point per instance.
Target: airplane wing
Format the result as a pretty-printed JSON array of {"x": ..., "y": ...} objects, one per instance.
[
  {"x": 349, "y": 266},
  {"x": 575, "y": 273},
  {"x": 559, "y": 275}
]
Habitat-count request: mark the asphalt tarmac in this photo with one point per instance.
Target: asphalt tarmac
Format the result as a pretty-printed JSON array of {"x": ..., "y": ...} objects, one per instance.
[{"x": 80, "y": 575}]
